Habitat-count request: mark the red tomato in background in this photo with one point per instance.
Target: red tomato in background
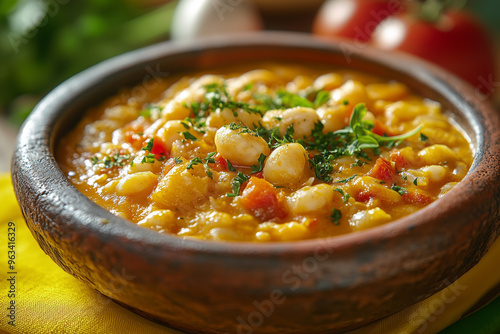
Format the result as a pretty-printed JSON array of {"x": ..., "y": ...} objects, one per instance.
[
  {"x": 456, "y": 42},
  {"x": 355, "y": 19}
]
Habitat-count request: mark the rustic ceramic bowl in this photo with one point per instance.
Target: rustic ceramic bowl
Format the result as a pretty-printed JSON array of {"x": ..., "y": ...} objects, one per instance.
[{"x": 313, "y": 286}]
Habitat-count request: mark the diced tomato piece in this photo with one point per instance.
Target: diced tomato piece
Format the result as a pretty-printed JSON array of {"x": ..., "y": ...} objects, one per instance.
[
  {"x": 159, "y": 149},
  {"x": 398, "y": 159},
  {"x": 220, "y": 163},
  {"x": 382, "y": 170},
  {"x": 260, "y": 198},
  {"x": 364, "y": 196},
  {"x": 414, "y": 196},
  {"x": 381, "y": 129}
]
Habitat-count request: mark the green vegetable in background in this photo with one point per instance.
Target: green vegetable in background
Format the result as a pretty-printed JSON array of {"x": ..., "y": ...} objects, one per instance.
[{"x": 46, "y": 41}]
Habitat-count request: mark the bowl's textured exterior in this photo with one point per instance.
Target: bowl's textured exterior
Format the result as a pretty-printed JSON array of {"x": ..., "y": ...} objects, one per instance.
[{"x": 315, "y": 286}]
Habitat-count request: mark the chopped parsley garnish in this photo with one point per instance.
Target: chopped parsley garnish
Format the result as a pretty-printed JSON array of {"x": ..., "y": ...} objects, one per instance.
[
  {"x": 248, "y": 86},
  {"x": 324, "y": 147},
  {"x": 177, "y": 160},
  {"x": 398, "y": 189},
  {"x": 321, "y": 98},
  {"x": 150, "y": 111},
  {"x": 322, "y": 166},
  {"x": 258, "y": 168},
  {"x": 415, "y": 181},
  {"x": 194, "y": 162},
  {"x": 335, "y": 216},
  {"x": 404, "y": 177},
  {"x": 205, "y": 161},
  {"x": 423, "y": 137},
  {"x": 149, "y": 145},
  {"x": 290, "y": 100},
  {"x": 230, "y": 166},
  {"x": 345, "y": 196},
  {"x": 148, "y": 159},
  {"x": 236, "y": 184},
  {"x": 189, "y": 136},
  {"x": 218, "y": 98},
  {"x": 347, "y": 180},
  {"x": 111, "y": 161}
]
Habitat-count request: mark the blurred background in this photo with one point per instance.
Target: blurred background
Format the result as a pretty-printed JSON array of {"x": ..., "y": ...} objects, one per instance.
[{"x": 44, "y": 42}]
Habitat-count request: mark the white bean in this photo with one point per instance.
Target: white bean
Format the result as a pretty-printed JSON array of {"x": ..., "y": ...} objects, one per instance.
[
  {"x": 159, "y": 219},
  {"x": 136, "y": 183},
  {"x": 170, "y": 132},
  {"x": 311, "y": 199},
  {"x": 333, "y": 118},
  {"x": 353, "y": 92},
  {"x": 286, "y": 164},
  {"x": 240, "y": 148},
  {"x": 434, "y": 173},
  {"x": 302, "y": 119},
  {"x": 365, "y": 219},
  {"x": 435, "y": 154},
  {"x": 328, "y": 81}
]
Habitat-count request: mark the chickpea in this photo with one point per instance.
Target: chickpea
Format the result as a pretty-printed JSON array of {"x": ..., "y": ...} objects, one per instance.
[
  {"x": 328, "y": 81},
  {"x": 302, "y": 119},
  {"x": 286, "y": 164},
  {"x": 139, "y": 166},
  {"x": 311, "y": 199},
  {"x": 237, "y": 84},
  {"x": 365, "y": 219},
  {"x": 333, "y": 118},
  {"x": 226, "y": 116},
  {"x": 436, "y": 154},
  {"x": 239, "y": 147},
  {"x": 193, "y": 183},
  {"x": 435, "y": 173},
  {"x": 178, "y": 107},
  {"x": 170, "y": 132},
  {"x": 159, "y": 219},
  {"x": 393, "y": 91},
  {"x": 135, "y": 183},
  {"x": 352, "y": 91}
]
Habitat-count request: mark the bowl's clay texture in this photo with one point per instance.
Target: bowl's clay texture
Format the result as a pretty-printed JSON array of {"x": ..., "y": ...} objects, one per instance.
[{"x": 315, "y": 286}]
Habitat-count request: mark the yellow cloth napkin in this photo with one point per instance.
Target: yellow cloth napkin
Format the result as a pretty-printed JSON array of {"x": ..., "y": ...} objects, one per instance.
[{"x": 48, "y": 300}]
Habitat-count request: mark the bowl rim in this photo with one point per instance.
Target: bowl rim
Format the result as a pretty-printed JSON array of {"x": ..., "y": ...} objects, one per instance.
[{"x": 458, "y": 93}]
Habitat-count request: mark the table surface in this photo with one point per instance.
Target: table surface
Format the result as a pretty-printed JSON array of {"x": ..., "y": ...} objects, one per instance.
[{"x": 8, "y": 135}]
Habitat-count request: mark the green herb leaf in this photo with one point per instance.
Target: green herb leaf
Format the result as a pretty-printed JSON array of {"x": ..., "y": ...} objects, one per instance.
[
  {"x": 346, "y": 180},
  {"x": 290, "y": 100},
  {"x": 230, "y": 166},
  {"x": 321, "y": 98},
  {"x": 236, "y": 184},
  {"x": 345, "y": 196},
  {"x": 189, "y": 136},
  {"x": 335, "y": 216},
  {"x": 194, "y": 162},
  {"x": 111, "y": 161},
  {"x": 149, "y": 145},
  {"x": 400, "y": 190},
  {"x": 258, "y": 168}
]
